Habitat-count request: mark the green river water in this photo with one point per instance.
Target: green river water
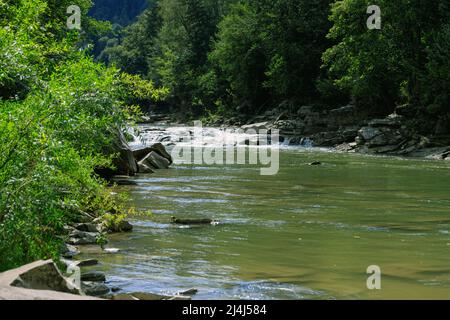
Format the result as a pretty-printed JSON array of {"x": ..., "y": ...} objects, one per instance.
[{"x": 306, "y": 233}]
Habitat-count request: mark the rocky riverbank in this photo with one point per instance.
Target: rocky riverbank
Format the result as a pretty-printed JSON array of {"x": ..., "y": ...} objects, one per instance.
[{"x": 406, "y": 132}]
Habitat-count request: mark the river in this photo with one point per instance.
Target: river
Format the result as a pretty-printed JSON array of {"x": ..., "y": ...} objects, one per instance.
[{"x": 309, "y": 232}]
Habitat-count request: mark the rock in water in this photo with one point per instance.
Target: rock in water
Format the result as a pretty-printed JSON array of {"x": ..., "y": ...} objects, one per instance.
[
  {"x": 191, "y": 221},
  {"x": 157, "y": 147},
  {"x": 78, "y": 237},
  {"x": 86, "y": 227},
  {"x": 189, "y": 292},
  {"x": 315, "y": 163},
  {"x": 87, "y": 263},
  {"x": 143, "y": 168},
  {"x": 68, "y": 251},
  {"x": 93, "y": 276},
  {"x": 154, "y": 160},
  {"x": 94, "y": 289},
  {"x": 122, "y": 226}
]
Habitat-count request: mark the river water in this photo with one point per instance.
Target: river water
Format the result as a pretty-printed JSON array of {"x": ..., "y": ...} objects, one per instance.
[{"x": 309, "y": 232}]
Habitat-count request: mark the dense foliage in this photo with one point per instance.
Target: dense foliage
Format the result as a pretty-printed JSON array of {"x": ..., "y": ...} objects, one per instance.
[
  {"x": 245, "y": 56},
  {"x": 59, "y": 113}
]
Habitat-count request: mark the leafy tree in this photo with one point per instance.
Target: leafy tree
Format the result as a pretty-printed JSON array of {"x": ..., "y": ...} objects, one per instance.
[
  {"x": 381, "y": 68},
  {"x": 59, "y": 113}
]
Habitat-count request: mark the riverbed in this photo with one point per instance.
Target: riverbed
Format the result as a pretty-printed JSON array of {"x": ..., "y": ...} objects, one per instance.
[{"x": 309, "y": 232}]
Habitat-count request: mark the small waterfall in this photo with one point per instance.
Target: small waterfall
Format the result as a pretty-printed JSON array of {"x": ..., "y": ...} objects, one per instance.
[{"x": 190, "y": 136}]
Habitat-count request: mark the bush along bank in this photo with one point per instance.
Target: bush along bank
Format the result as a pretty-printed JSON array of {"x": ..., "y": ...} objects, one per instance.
[{"x": 60, "y": 117}]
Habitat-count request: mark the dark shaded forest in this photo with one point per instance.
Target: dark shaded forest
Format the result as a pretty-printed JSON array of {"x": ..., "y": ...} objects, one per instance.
[{"x": 226, "y": 58}]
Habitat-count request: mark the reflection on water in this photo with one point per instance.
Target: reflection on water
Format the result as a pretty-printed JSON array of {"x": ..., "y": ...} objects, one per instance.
[{"x": 306, "y": 233}]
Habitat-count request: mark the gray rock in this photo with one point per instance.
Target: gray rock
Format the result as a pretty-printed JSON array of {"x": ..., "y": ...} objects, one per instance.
[
  {"x": 78, "y": 237},
  {"x": 154, "y": 160},
  {"x": 86, "y": 227},
  {"x": 93, "y": 276},
  {"x": 44, "y": 275},
  {"x": 125, "y": 163},
  {"x": 191, "y": 221},
  {"x": 143, "y": 168},
  {"x": 368, "y": 133},
  {"x": 94, "y": 289},
  {"x": 123, "y": 226},
  {"x": 189, "y": 292},
  {"x": 87, "y": 263},
  {"x": 387, "y": 137},
  {"x": 68, "y": 251},
  {"x": 140, "y": 154}
]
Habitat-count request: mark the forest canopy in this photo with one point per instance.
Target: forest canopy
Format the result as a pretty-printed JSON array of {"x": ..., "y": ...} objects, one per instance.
[{"x": 239, "y": 56}]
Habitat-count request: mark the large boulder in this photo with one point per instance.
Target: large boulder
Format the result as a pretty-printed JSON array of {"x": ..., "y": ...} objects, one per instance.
[
  {"x": 86, "y": 227},
  {"x": 40, "y": 280},
  {"x": 122, "y": 226},
  {"x": 44, "y": 275},
  {"x": 93, "y": 276},
  {"x": 368, "y": 133},
  {"x": 78, "y": 237},
  {"x": 144, "y": 168},
  {"x": 140, "y": 154},
  {"x": 125, "y": 163},
  {"x": 95, "y": 289},
  {"x": 154, "y": 160}
]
